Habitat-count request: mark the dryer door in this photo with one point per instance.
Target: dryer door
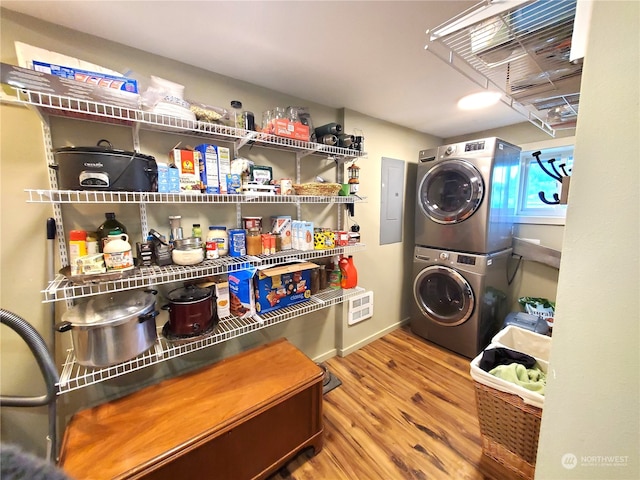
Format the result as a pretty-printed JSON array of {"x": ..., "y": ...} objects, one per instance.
[
  {"x": 443, "y": 295},
  {"x": 450, "y": 192}
]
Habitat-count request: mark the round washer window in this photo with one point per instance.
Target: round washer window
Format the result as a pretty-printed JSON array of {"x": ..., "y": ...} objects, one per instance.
[
  {"x": 444, "y": 296},
  {"x": 451, "y": 191}
]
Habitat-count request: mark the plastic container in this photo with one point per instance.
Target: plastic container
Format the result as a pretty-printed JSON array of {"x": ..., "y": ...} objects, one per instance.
[
  {"x": 77, "y": 248},
  {"x": 117, "y": 253},
  {"x": 349, "y": 273},
  {"x": 218, "y": 234},
  {"x": 187, "y": 251}
]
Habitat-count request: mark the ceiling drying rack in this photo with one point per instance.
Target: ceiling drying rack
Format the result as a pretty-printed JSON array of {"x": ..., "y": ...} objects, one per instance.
[{"x": 523, "y": 52}]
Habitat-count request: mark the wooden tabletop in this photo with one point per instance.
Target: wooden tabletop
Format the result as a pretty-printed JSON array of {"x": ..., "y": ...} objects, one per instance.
[{"x": 141, "y": 429}]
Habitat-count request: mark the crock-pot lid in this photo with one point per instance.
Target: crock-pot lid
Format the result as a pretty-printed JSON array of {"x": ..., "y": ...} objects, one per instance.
[
  {"x": 190, "y": 293},
  {"x": 103, "y": 151},
  {"x": 110, "y": 309}
]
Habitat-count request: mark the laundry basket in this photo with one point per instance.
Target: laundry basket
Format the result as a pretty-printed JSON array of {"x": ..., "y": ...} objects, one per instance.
[{"x": 509, "y": 415}]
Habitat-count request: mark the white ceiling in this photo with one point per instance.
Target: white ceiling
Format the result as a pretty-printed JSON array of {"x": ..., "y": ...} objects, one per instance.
[{"x": 366, "y": 56}]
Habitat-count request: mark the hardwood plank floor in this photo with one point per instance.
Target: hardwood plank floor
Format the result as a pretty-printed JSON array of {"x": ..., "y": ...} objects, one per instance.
[{"x": 406, "y": 409}]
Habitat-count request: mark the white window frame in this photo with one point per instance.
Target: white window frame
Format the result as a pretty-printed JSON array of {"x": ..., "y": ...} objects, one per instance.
[{"x": 554, "y": 216}]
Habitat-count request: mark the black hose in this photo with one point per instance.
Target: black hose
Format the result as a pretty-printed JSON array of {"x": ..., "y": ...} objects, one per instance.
[{"x": 39, "y": 349}]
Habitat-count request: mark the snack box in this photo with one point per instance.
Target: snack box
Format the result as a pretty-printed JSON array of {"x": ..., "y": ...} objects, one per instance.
[
  {"x": 209, "y": 171},
  {"x": 284, "y": 128},
  {"x": 188, "y": 165},
  {"x": 281, "y": 286},
  {"x": 241, "y": 295},
  {"x": 92, "y": 78}
]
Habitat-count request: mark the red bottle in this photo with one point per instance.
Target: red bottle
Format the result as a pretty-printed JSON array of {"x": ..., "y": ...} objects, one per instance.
[{"x": 349, "y": 273}]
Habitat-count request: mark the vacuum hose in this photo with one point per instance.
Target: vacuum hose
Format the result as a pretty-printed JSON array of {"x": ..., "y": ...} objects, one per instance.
[{"x": 45, "y": 362}]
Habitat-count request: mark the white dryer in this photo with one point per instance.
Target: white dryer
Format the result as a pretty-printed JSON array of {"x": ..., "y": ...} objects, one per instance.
[
  {"x": 460, "y": 299},
  {"x": 466, "y": 194}
]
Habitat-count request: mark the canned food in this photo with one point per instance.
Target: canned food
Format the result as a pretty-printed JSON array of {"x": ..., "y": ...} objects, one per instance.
[{"x": 237, "y": 242}]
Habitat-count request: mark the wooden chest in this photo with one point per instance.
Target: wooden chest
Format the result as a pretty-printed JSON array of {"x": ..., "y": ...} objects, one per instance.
[{"x": 241, "y": 418}]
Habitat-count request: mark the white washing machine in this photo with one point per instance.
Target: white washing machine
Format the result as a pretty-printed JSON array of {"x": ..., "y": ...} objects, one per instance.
[
  {"x": 460, "y": 299},
  {"x": 466, "y": 194}
]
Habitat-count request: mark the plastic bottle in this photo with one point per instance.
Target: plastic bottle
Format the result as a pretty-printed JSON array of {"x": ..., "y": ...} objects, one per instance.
[
  {"x": 335, "y": 276},
  {"x": 77, "y": 248},
  {"x": 196, "y": 231},
  {"x": 93, "y": 245},
  {"x": 117, "y": 252},
  {"x": 108, "y": 226},
  {"x": 349, "y": 273}
]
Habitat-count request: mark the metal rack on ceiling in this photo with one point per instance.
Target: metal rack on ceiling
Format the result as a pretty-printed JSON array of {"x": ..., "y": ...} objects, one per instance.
[{"x": 523, "y": 52}]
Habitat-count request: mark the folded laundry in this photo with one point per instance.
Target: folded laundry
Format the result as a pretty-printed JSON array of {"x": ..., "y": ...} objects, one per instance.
[
  {"x": 492, "y": 357},
  {"x": 532, "y": 379}
]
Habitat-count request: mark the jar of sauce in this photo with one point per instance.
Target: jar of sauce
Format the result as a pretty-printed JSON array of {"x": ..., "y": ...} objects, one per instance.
[{"x": 254, "y": 242}]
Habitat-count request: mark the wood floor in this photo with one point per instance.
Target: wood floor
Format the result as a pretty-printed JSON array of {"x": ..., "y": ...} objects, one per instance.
[{"x": 405, "y": 410}]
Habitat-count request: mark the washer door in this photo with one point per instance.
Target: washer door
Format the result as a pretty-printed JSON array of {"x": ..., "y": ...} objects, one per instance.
[
  {"x": 450, "y": 192},
  {"x": 443, "y": 295}
]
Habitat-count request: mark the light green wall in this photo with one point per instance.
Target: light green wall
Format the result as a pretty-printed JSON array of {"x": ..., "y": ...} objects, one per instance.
[
  {"x": 592, "y": 406},
  {"x": 320, "y": 335}
]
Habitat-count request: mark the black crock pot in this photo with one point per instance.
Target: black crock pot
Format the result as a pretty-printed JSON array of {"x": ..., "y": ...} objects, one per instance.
[{"x": 104, "y": 168}]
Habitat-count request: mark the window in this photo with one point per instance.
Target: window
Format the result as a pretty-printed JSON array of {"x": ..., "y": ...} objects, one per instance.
[{"x": 540, "y": 182}]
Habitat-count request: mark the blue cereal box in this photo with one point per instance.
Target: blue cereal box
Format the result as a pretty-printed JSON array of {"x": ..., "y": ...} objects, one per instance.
[
  {"x": 209, "y": 173},
  {"x": 281, "y": 286}
]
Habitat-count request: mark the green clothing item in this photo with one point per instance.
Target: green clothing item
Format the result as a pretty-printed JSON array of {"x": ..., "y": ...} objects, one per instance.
[{"x": 532, "y": 379}]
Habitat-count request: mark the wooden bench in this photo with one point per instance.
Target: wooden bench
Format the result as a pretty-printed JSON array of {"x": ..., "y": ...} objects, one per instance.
[{"x": 242, "y": 418}]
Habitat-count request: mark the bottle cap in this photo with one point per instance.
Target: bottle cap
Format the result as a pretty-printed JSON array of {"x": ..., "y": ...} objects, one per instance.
[
  {"x": 110, "y": 215},
  {"x": 77, "y": 235},
  {"x": 236, "y": 104},
  {"x": 217, "y": 227}
]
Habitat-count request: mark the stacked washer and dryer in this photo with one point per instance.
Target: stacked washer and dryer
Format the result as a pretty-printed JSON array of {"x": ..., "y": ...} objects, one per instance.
[{"x": 463, "y": 237}]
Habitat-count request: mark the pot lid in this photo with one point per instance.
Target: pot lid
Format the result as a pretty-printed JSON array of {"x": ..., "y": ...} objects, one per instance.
[
  {"x": 110, "y": 309},
  {"x": 103, "y": 147},
  {"x": 190, "y": 293}
]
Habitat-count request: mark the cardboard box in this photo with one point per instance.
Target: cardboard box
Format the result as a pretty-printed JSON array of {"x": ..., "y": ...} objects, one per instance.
[
  {"x": 234, "y": 184},
  {"x": 222, "y": 299},
  {"x": 284, "y": 128},
  {"x": 84, "y": 76},
  {"x": 168, "y": 178},
  {"x": 281, "y": 225},
  {"x": 224, "y": 168},
  {"x": 209, "y": 173},
  {"x": 241, "y": 295},
  {"x": 188, "y": 165},
  {"x": 281, "y": 286}
]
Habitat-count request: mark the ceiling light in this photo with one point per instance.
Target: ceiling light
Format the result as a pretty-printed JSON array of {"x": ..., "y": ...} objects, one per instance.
[{"x": 479, "y": 100}]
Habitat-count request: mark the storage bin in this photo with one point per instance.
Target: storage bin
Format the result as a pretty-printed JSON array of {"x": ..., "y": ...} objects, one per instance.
[{"x": 509, "y": 415}]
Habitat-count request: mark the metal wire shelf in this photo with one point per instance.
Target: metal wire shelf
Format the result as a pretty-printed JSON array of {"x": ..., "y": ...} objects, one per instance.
[
  {"x": 74, "y": 376},
  {"x": 92, "y": 196},
  {"x": 61, "y": 288},
  {"x": 59, "y": 105},
  {"x": 522, "y": 52}
]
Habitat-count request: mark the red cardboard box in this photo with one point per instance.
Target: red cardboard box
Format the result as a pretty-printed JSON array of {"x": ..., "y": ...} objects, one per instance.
[{"x": 284, "y": 128}]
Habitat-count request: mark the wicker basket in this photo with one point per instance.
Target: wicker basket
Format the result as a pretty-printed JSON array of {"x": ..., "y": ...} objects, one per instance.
[
  {"x": 317, "y": 189},
  {"x": 509, "y": 428}
]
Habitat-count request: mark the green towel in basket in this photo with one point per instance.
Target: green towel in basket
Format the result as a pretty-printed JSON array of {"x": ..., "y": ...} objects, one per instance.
[{"x": 532, "y": 379}]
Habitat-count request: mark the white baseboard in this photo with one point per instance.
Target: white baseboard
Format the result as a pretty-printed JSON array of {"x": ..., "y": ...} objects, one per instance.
[
  {"x": 326, "y": 356},
  {"x": 356, "y": 346}
]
